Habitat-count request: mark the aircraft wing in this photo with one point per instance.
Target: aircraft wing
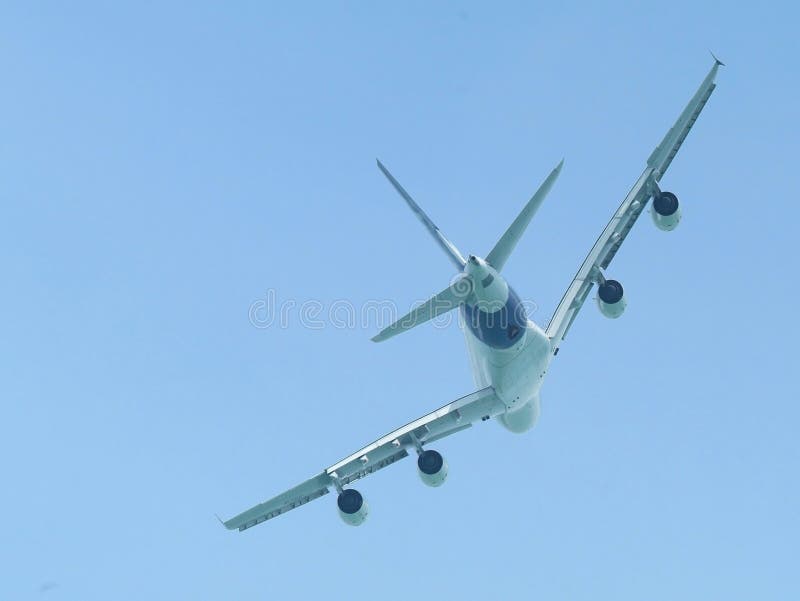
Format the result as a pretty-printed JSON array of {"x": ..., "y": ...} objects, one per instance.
[
  {"x": 453, "y": 417},
  {"x": 622, "y": 221}
]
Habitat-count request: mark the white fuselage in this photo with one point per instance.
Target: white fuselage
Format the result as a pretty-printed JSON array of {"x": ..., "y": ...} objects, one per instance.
[{"x": 507, "y": 350}]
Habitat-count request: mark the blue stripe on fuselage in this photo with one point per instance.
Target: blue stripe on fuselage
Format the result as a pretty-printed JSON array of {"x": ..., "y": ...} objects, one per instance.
[{"x": 501, "y": 329}]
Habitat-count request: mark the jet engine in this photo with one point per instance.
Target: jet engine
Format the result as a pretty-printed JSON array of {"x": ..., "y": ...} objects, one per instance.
[
  {"x": 611, "y": 299},
  {"x": 353, "y": 508},
  {"x": 432, "y": 467},
  {"x": 666, "y": 211}
]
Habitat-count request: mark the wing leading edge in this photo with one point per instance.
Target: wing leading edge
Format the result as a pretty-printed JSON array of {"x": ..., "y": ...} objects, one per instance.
[
  {"x": 625, "y": 217},
  {"x": 449, "y": 419}
]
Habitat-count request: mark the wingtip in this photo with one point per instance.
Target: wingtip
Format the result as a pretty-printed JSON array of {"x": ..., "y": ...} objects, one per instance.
[
  {"x": 716, "y": 60},
  {"x": 557, "y": 169},
  {"x": 385, "y": 333}
]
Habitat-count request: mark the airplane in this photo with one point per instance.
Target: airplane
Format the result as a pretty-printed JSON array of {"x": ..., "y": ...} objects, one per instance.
[{"x": 509, "y": 353}]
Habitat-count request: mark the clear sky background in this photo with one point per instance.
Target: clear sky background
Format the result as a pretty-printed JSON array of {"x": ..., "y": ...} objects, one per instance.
[{"x": 164, "y": 165}]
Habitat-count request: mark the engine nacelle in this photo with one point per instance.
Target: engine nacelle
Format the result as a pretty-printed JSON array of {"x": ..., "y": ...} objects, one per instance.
[
  {"x": 666, "y": 211},
  {"x": 611, "y": 299},
  {"x": 432, "y": 468},
  {"x": 353, "y": 508}
]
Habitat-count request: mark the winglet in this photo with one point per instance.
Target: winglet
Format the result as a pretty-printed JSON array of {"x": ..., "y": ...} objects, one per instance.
[
  {"x": 220, "y": 520},
  {"x": 716, "y": 60}
]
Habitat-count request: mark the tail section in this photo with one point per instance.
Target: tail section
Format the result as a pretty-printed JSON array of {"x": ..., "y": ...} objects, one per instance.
[
  {"x": 448, "y": 247},
  {"x": 505, "y": 246},
  {"x": 478, "y": 274}
]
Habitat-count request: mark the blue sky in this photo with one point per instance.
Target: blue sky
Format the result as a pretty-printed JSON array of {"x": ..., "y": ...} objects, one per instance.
[{"x": 163, "y": 166}]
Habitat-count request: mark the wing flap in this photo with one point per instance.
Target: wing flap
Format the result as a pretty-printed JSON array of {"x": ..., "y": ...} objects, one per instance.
[
  {"x": 614, "y": 234},
  {"x": 663, "y": 154},
  {"x": 371, "y": 466},
  {"x": 449, "y": 419},
  {"x": 444, "y": 421},
  {"x": 311, "y": 489},
  {"x": 601, "y": 254}
]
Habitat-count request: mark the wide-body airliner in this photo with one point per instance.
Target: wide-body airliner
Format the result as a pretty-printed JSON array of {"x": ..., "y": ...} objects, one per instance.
[{"x": 509, "y": 353}]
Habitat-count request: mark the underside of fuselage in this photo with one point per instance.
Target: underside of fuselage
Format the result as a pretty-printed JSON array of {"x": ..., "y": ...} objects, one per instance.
[{"x": 507, "y": 350}]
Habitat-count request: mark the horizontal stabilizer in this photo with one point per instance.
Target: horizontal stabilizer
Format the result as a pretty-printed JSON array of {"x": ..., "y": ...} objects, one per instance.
[
  {"x": 505, "y": 246},
  {"x": 448, "y": 247},
  {"x": 447, "y": 300}
]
